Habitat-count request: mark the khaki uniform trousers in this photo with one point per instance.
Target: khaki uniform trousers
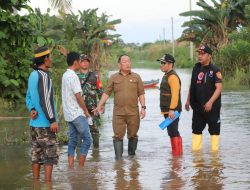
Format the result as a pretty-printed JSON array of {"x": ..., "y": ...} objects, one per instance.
[{"x": 121, "y": 123}]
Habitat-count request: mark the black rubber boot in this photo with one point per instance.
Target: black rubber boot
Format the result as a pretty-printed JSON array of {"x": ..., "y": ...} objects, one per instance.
[
  {"x": 95, "y": 137},
  {"x": 118, "y": 146},
  {"x": 132, "y": 145}
]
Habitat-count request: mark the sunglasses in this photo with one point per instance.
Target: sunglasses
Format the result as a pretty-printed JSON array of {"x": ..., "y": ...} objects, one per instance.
[{"x": 164, "y": 63}]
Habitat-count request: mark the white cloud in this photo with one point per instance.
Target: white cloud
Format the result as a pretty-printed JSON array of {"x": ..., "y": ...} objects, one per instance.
[{"x": 142, "y": 20}]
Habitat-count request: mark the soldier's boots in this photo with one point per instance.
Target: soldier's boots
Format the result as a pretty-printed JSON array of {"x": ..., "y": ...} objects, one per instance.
[
  {"x": 132, "y": 145},
  {"x": 118, "y": 146},
  {"x": 95, "y": 137}
]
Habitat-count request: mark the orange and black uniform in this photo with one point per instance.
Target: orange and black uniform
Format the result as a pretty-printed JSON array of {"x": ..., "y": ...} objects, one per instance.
[
  {"x": 170, "y": 99},
  {"x": 202, "y": 88}
]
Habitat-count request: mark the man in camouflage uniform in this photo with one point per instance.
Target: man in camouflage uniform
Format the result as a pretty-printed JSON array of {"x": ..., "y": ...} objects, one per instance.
[{"x": 91, "y": 87}]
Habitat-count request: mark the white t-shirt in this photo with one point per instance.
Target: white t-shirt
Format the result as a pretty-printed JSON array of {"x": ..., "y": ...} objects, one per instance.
[{"x": 71, "y": 86}]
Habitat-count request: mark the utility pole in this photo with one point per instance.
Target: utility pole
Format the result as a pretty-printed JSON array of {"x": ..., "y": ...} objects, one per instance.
[
  {"x": 164, "y": 39},
  {"x": 160, "y": 41},
  {"x": 191, "y": 43},
  {"x": 173, "y": 48}
]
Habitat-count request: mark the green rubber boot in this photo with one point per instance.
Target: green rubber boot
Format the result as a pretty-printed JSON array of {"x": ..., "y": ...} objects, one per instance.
[
  {"x": 132, "y": 145},
  {"x": 118, "y": 146}
]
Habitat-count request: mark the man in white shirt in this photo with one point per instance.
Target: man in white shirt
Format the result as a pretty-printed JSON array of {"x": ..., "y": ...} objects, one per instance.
[{"x": 75, "y": 111}]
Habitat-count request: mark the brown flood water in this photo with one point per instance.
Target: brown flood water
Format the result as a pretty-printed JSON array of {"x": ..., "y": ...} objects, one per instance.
[{"x": 153, "y": 167}]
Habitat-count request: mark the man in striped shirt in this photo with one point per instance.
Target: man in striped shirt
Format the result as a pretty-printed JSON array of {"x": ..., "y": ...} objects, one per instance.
[{"x": 43, "y": 117}]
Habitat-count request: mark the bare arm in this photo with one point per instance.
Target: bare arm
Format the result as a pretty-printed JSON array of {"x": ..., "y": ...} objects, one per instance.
[
  {"x": 187, "y": 105},
  {"x": 216, "y": 94},
  {"x": 99, "y": 107},
  {"x": 104, "y": 98},
  {"x": 81, "y": 103}
]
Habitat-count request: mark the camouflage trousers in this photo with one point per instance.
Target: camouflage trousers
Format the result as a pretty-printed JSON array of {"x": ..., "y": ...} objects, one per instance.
[
  {"x": 44, "y": 146},
  {"x": 94, "y": 129}
]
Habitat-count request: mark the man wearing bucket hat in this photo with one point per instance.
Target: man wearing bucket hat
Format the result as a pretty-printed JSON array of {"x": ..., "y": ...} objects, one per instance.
[
  {"x": 43, "y": 123},
  {"x": 170, "y": 100},
  {"x": 205, "y": 99}
]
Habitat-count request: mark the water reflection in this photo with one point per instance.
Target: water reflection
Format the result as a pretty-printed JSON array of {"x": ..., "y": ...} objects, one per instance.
[
  {"x": 174, "y": 179},
  {"x": 153, "y": 167},
  {"x": 134, "y": 172},
  {"x": 208, "y": 172},
  {"x": 121, "y": 176},
  {"x": 127, "y": 174},
  {"x": 37, "y": 185}
]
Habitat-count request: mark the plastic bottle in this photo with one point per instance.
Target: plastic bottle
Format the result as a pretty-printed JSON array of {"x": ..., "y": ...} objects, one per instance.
[{"x": 90, "y": 121}]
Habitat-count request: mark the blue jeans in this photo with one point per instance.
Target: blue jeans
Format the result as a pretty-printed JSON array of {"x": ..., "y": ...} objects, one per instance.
[{"x": 79, "y": 126}]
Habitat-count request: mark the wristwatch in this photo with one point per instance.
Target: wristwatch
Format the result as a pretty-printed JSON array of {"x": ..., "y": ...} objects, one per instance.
[{"x": 144, "y": 107}]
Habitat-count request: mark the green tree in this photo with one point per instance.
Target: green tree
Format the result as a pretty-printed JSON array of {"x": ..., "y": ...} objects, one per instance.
[
  {"x": 236, "y": 54},
  {"x": 213, "y": 24},
  {"x": 17, "y": 35},
  {"x": 90, "y": 33}
]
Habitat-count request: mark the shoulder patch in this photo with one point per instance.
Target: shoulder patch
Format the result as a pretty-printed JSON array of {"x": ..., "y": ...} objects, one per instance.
[{"x": 219, "y": 76}]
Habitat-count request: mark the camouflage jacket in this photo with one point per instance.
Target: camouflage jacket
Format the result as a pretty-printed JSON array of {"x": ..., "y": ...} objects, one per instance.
[{"x": 90, "y": 92}]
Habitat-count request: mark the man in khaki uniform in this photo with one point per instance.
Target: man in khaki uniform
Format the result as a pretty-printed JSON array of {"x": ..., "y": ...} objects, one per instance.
[{"x": 128, "y": 89}]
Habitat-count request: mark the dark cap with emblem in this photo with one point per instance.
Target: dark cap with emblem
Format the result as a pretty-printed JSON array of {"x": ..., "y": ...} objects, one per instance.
[
  {"x": 41, "y": 51},
  {"x": 84, "y": 57},
  {"x": 204, "y": 48},
  {"x": 167, "y": 58}
]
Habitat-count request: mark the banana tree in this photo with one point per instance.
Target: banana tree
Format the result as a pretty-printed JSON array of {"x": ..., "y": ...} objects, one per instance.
[
  {"x": 16, "y": 35},
  {"x": 214, "y": 23},
  {"x": 91, "y": 33}
]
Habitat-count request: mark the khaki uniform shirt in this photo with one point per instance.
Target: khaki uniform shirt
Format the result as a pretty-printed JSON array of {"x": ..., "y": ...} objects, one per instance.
[{"x": 127, "y": 90}]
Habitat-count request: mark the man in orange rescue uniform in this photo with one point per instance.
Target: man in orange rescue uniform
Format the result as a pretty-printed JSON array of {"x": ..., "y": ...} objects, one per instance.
[{"x": 170, "y": 100}]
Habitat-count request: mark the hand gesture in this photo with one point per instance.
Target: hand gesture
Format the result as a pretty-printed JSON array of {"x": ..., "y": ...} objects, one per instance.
[
  {"x": 87, "y": 114},
  {"x": 33, "y": 114},
  {"x": 142, "y": 113},
  {"x": 54, "y": 127},
  {"x": 208, "y": 106},
  {"x": 171, "y": 114},
  {"x": 98, "y": 110},
  {"x": 187, "y": 106}
]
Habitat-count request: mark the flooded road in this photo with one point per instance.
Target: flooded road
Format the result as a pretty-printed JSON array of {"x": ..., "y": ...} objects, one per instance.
[{"x": 153, "y": 167}]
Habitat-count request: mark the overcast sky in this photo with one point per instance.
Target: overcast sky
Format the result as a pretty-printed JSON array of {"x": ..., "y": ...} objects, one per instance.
[{"x": 142, "y": 20}]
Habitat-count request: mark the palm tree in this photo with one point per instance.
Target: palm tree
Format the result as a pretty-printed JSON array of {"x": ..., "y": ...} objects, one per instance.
[
  {"x": 62, "y": 5},
  {"x": 213, "y": 24},
  {"x": 90, "y": 32}
]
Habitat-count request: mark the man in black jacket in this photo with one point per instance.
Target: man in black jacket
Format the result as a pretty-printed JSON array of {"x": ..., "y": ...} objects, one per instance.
[{"x": 205, "y": 99}]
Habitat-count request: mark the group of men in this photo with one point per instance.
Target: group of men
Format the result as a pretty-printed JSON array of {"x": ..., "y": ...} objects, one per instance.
[{"x": 80, "y": 88}]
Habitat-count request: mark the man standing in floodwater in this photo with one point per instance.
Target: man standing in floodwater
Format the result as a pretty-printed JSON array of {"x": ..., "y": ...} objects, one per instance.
[
  {"x": 205, "y": 99},
  {"x": 75, "y": 111},
  {"x": 128, "y": 89},
  {"x": 91, "y": 92},
  {"x": 170, "y": 100},
  {"x": 43, "y": 123}
]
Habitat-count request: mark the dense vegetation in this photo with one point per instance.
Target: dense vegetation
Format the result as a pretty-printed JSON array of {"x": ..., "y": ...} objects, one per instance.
[{"x": 225, "y": 26}]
